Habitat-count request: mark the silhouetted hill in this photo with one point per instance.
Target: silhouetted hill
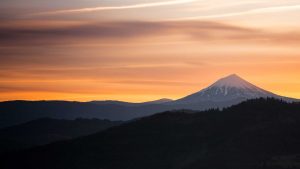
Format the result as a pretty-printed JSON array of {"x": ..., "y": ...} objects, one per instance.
[
  {"x": 160, "y": 101},
  {"x": 44, "y": 131},
  {"x": 17, "y": 112},
  {"x": 260, "y": 133}
]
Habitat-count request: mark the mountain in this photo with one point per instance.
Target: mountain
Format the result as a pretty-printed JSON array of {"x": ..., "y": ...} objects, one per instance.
[
  {"x": 46, "y": 130},
  {"x": 229, "y": 88},
  {"x": 121, "y": 103},
  {"x": 160, "y": 101},
  {"x": 225, "y": 92},
  {"x": 259, "y": 133}
]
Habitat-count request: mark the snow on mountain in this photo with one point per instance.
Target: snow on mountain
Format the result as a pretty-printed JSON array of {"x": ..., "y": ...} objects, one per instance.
[{"x": 228, "y": 88}]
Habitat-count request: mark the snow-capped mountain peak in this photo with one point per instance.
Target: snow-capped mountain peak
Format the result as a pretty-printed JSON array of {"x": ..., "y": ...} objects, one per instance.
[
  {"x": 229, "y": 88},
  {"x": 232, "y": 80}
]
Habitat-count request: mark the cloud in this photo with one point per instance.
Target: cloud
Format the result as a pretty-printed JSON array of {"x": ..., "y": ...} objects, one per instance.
[
  {"x": 136, "y": 32},
  {"x": 105, "y": 31},
  {"x": 101, "y": 8},
  {"x": 43, "y": 47},
  {"x": 247, "y": 12}
]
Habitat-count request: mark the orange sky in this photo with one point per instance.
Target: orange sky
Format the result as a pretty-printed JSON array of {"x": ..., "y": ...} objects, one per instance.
[{"x": 126, "y": 51}]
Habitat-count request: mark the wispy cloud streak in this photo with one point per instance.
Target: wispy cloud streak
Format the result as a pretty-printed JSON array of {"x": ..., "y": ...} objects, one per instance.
[
  {"x": 101, "y": 8},
  {"x": 248, "y": 12}
]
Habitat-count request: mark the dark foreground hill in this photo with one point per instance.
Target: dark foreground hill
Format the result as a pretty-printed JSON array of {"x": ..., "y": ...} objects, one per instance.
[
  {"x": 257, "y": 134},
  {"x": 44, "y": 131}
]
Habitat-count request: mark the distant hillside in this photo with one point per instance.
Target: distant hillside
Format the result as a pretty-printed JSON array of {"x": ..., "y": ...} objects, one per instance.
[
  {"x": 17, "y": 112},
  {"x": 44, "y": 131},
  {"x": 256, "y": 134}
]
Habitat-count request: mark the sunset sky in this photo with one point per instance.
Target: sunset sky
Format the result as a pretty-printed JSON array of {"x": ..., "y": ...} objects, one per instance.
[{"x": 141, "y": 50}]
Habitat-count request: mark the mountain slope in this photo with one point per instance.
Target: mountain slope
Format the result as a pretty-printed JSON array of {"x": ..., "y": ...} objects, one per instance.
[
  {"x": 44, "y": 131},
  {"x": 261, "y": 133}
]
